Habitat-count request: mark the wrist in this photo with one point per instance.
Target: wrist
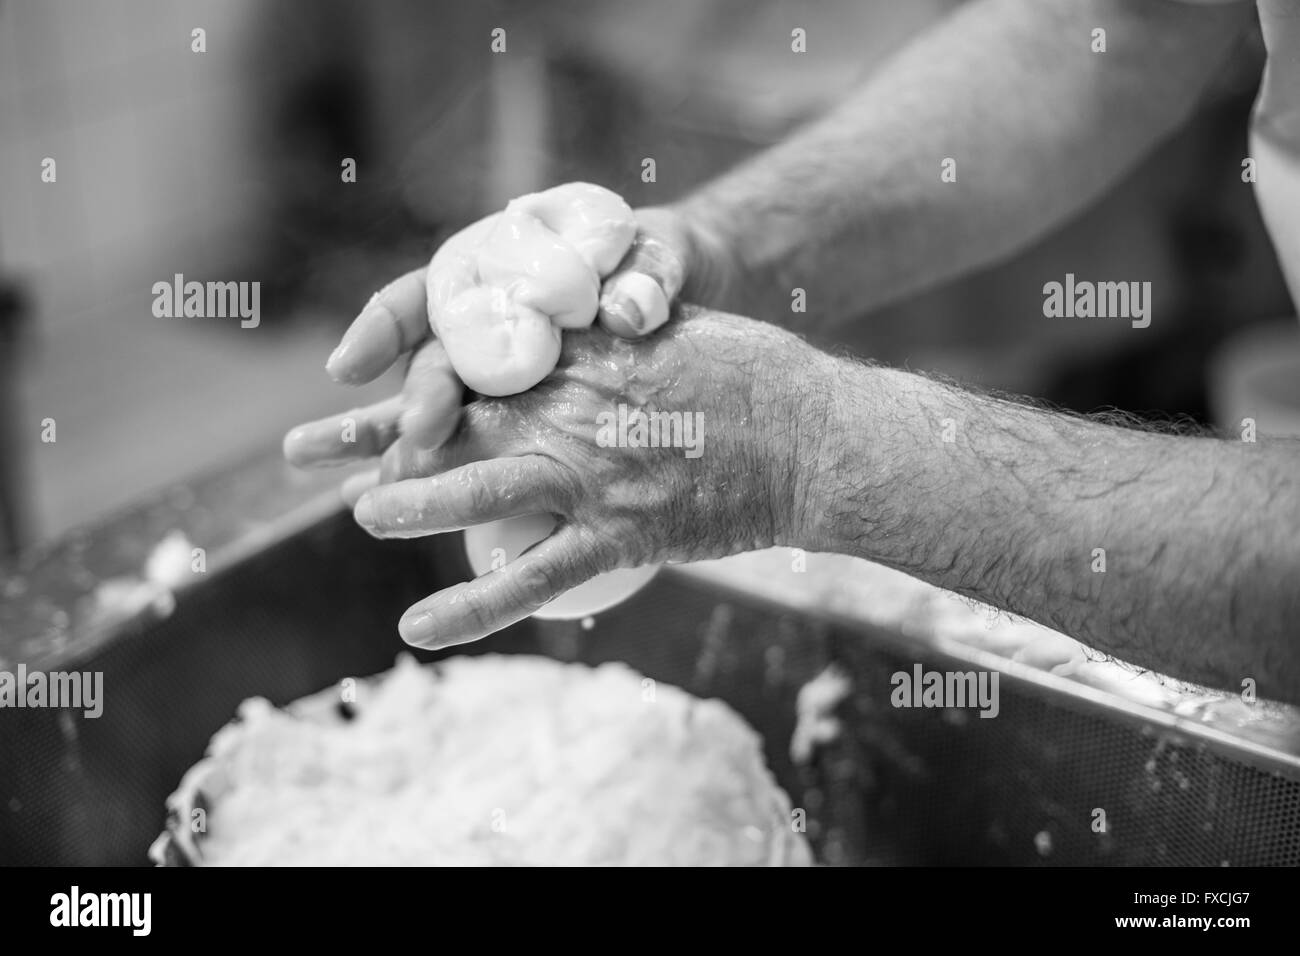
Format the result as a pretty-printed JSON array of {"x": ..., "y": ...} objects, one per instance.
[
  {"x": 814, "y": 452},
  {"x": 713, "y": 272},
  {"x": 860, "y": 464}
]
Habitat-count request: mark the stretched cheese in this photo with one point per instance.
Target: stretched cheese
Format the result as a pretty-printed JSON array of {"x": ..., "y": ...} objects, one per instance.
[{"x": 501, "y": 290}]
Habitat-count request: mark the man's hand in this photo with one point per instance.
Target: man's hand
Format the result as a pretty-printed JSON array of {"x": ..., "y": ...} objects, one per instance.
[
  {"x": 396, "y": 322},
  {"x": 727, "y": 394}
]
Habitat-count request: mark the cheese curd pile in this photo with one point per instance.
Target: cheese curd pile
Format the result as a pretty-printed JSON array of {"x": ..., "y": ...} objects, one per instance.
[{"x": 494, "y": 760}]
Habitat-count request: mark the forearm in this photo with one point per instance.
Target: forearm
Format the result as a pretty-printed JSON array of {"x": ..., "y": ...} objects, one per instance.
[
  {"x": 1180, "y": 554},
  {"x": 852, "y": 209}
]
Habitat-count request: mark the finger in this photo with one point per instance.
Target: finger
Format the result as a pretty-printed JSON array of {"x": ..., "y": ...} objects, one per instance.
[
  {"x": 478, "y": 437},
  {"x": 394, "y": 321},
  {"x": 473, "y": 610},
  {"x": 357, "y": 485},
  {"x": 476, "y": 493},
  {"x": 404, "y": 460},
  {"x": 432, "y": 395},
  {"x": 634, "y": 299},
  {"x": 357, "y": 434}
]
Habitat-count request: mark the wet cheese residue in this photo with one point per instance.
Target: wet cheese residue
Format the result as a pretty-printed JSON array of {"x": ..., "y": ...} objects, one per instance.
[{"x": 815, "y": 708}]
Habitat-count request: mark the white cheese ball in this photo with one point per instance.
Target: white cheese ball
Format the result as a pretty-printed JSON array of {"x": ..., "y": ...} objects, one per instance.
[{"x": 500, "y": 291}]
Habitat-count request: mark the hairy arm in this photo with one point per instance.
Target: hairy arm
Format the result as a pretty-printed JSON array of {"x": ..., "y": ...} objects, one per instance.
[
  {"x": 852, "y": 208},
  {"x": 1009, "y": 504}
]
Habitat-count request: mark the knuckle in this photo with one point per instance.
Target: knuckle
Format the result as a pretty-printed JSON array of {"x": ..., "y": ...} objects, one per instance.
[
  {"x": 492, "y": 424},
  {"x": 386, "y": 306},
  {"x": 660, "y": 261},
  {"x": 480, "y": 493},
  {"x": 477, "y": 612},
  {"x": 537, "y": 581},
  {"x": 597, "y": 550},
  {"x": 562, "y": 487}
]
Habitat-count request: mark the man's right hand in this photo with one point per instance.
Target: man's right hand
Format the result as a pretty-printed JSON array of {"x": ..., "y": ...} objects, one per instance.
[
  {"x": 395, "y": 323},
  {"x": 699, "y": 442}
]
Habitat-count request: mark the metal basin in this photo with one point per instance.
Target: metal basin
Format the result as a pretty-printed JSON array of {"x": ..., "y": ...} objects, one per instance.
[{"x": 295, "y": 598}]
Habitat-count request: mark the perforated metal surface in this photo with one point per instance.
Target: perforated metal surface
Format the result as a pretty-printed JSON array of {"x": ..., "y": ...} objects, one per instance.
[{"x": 900, "y": 786}]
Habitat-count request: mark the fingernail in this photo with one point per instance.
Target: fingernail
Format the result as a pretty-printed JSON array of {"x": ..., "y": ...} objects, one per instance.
[
  {"x": 647, "y": 298},
  {"x": 308, "y": 447},
  {"x": 416, "y": 628},
  {"x": 341, "y": 365},
  {"x": 332, "y": 363},
  {"x": 292, "y": 444},
  {"x": 364, "y": 512},
  {"x": 366, "y": 349},
  {"x": 618, "y": 305}
]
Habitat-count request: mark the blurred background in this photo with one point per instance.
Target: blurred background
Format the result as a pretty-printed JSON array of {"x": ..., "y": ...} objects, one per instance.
[{"x": 225, "y": 165}]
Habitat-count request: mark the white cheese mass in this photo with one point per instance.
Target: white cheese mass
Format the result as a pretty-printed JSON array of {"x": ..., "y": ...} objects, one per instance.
[
  {"x": 501, "y": 290},
  {"x": 493, "y": 760}
]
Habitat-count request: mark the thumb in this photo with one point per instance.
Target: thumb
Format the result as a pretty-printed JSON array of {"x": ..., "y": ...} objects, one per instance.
[{"x": 635, "y": 297}]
